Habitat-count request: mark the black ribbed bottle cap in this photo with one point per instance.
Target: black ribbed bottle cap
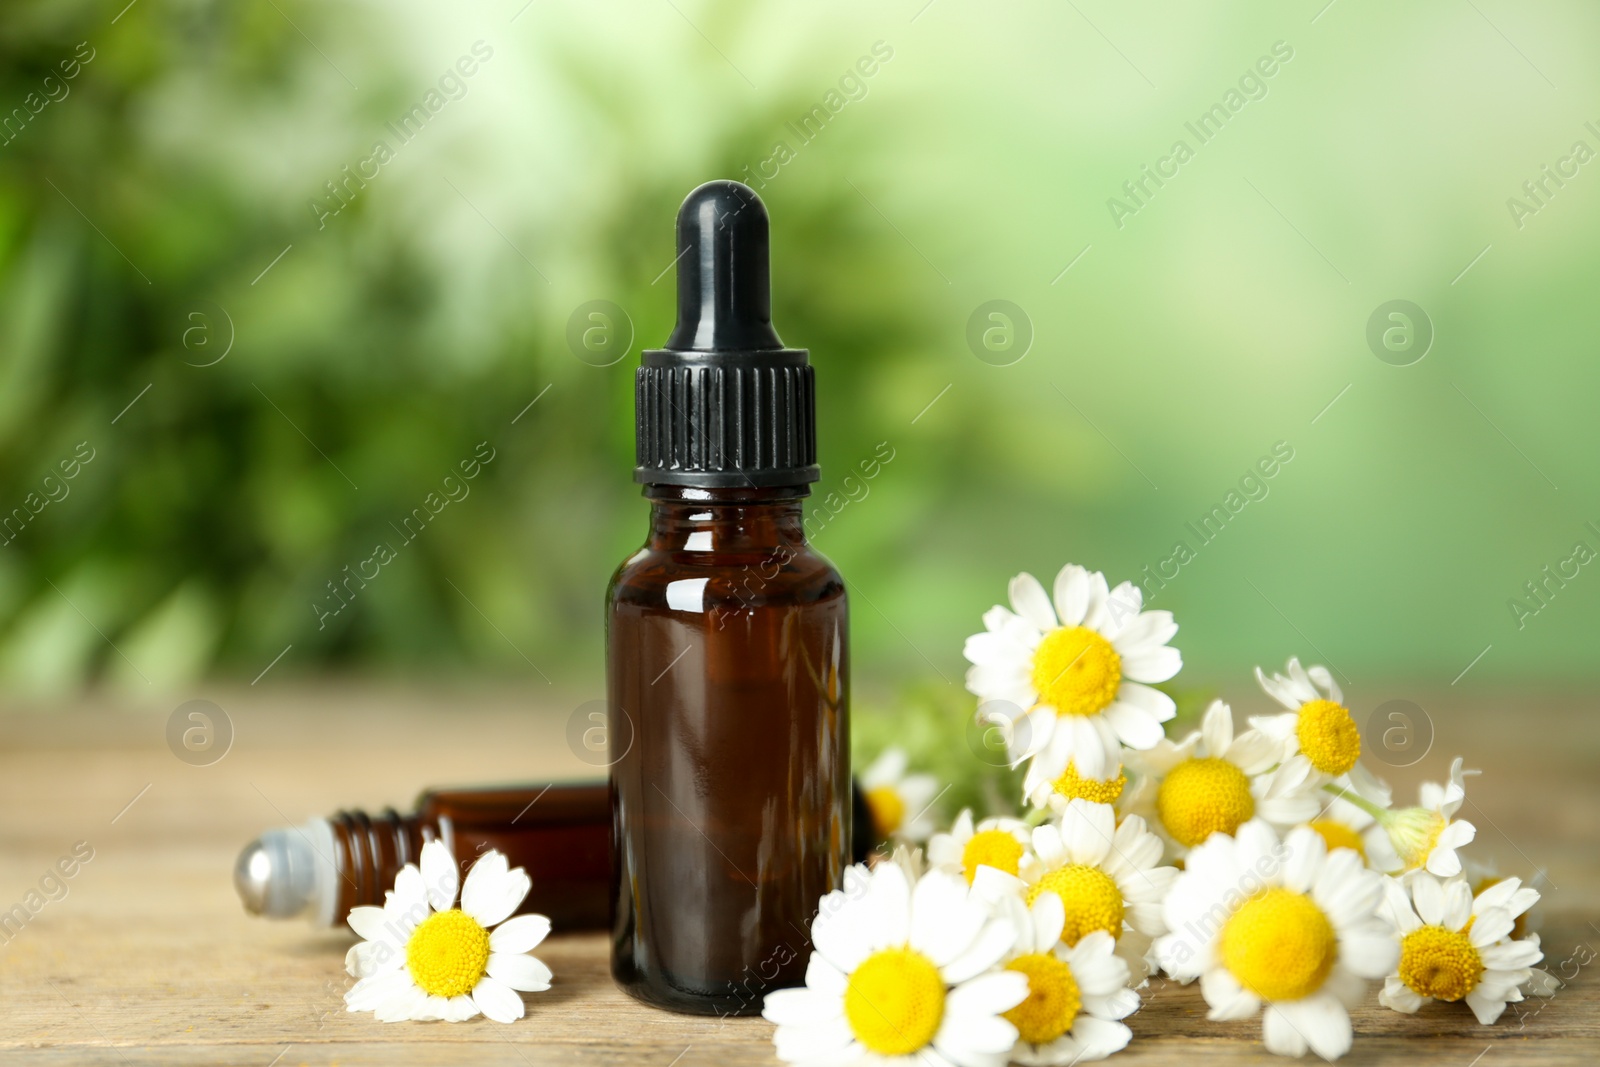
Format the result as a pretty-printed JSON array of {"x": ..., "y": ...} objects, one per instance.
[{"x": 725, "y": 403}]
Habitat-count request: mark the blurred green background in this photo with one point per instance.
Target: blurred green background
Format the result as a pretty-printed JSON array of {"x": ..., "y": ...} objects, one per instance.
[{"x": 256, "y": 366}]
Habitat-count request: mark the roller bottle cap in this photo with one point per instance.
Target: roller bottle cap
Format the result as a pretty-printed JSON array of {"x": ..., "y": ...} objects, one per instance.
[
  {"x": 725, "y": 404},
  {"x": 289, "y": 872}
]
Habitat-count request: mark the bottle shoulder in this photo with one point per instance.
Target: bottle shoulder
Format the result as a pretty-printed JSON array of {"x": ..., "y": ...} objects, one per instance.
[{"x": 794, "y": 572}]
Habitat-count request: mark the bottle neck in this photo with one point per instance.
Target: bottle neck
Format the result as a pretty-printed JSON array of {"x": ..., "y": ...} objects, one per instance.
[
  {"x": 684, "y": 518},
  {"x": 368, "y": 851}
]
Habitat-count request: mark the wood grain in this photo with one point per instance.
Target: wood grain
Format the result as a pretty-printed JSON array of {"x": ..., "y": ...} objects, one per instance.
[{"x": 148, "y": 958}]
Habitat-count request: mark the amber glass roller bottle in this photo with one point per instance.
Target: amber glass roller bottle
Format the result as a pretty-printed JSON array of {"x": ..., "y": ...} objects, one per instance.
[
  {"x": 560, "y": 833},
  {"x": 727, "y": 648}
]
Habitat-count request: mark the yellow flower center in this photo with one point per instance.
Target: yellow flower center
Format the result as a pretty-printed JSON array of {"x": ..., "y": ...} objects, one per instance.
[
  {"x": 1439, "y": 963},
  {"x": 895, "y": 1001},
  {"x": 1076, "y": 671},
  {"x": 888, "y": 810},
  {"x": 1089, "y": 897},
  {"x": 1336, "y": 834},
  {"x": 1279, "y": 945},
  {"x": 1328, "y": 736},
  {"x": 448, "y": 953},
  {"x": 991, "y": 848},
  {"x": 1053, "y": 998},
  {"x": 1095, "y": 790},
  {"x": 1202, "y": 796}
]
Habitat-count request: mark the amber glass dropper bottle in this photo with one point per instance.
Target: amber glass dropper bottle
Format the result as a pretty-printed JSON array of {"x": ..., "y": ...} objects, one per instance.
[{"x": 727, "y": 648}]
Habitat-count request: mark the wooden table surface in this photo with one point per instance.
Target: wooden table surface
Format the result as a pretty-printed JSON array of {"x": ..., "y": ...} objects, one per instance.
[{"x": 149, "y": 959}]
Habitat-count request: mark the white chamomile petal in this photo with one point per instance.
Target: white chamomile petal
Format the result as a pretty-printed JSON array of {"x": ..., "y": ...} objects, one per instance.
[
  {"x": 519, "y": 971},
  {"x": 1098, "y": 594},
  {"x": 1150, "y": 665},
  {"x": 1157, "y": 704},
  {"x": 1216, "y": 728},
  {"x": 497, "y": 1000},
  {"x": 988, "y": 994},
  {"x": 1135, "y": 726},
  {"x": 520, "y": 934},
  {"x": 458, "y": 1009},
  {"x": 1049, "y": 915},
  {"x": 802, "y": 1007},
  {"x": 1095, "y": 966},
  {"x": 994, "y": 648},
  {"x": 408, "y": 903},
  {"x": 1088, "y": 829},
  {"x": 1151, "y": 629},
  {"x": 1322, "y": 1020},
  {"x": 1457, "y": 905},
  {"x": 491, "y": 892},
  {"x": 1029, "y": 601},
  {"x": 368, "y": 993},
  {"x": 1488, "y": 927},
  {"x": 823, "y": 977},
  {"x": 890, "y": 766},
  {"x": 409, "y": 1004},
  {"x": 367, "y": 922},
  {"x": 1428, "y": 894},
  {"x": 941, "y": 926},
  {"x": 1228, "y": 999},
  {"x": 367, "y": 958},
  {"x": 887, "y": 907},
  {"x": 993, "y": 941},
  {"x": 1072, "y": 595},
  {"x": 440, "y": 875},
  {"x": 1401, "y": 914}
]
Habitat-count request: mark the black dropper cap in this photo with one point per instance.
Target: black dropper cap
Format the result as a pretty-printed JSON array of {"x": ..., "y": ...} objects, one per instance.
[{"x": 725, "y": 403}]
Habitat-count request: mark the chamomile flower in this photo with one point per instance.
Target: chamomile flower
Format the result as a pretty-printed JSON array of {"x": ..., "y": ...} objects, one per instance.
[
  {"x": 1105, "y": 873},
  {"x": 1426, "y": 837},
  {"x": 1076, "y": 993},
  {"x": 1078, "y": 669},
  {"x": 1317, "y": 725},
  {"x": 997, "y": 842},
  {"x": 1454, "y": 946},
  {"x": 902, "y": 973},
  {"x": 1285, "y": 925},
  {"x": 1069, "y": 785},
  {"x": 899, "y": 802},
  {"x": 1342, "y": 824},
  {"x": 1214, "y": 781},
  {"x": 1482, "y": 874},
  {"x": 424, "y": 957}
]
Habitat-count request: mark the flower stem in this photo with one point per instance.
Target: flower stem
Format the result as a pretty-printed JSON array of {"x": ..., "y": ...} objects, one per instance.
[{"x": 1380, "y": 814}]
